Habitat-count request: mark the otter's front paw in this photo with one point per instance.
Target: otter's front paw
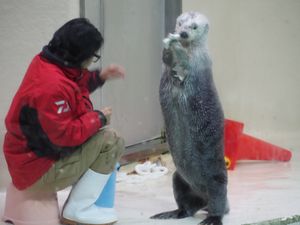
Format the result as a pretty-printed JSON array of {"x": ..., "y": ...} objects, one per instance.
[
  {"x": 167, "y": 57},
  {"x": 171, "y": 38},
  {"x": 166, "y": 43},
  {"x": 212, "y": 220}
]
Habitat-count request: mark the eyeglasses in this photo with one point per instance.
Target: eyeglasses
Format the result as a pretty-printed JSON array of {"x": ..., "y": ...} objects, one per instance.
[{"x": 96, "y": 57}]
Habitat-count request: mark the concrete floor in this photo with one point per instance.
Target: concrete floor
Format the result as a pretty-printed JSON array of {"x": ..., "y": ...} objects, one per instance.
[{"x": 257, "y": 191}]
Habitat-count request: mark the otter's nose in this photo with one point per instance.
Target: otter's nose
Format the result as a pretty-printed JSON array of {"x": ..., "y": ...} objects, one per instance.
[{"x": 184, "y": 35}]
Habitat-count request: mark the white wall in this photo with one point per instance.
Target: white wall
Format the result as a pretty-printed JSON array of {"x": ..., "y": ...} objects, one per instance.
[
  {"x": 25, "y": 27},
  {"x": 255, "y": 46},
  {"x": 133, "y": 31}
]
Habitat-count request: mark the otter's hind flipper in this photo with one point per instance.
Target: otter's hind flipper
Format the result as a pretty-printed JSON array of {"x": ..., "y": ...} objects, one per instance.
[
  {"x": 175, "y": 214},
  {"x": 212, "y": 220},
  {"x": 185, "y": 197}
]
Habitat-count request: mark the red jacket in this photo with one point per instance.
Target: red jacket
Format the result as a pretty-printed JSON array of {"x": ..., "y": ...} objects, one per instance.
[{"x": 51, "y": 114}]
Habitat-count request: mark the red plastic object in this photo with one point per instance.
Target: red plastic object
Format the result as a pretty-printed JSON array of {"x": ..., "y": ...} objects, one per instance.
[{"x": 240, "y": 146}]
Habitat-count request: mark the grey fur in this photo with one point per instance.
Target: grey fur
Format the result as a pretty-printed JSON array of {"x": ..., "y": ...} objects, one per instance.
[{"x": 194, "y": 122}]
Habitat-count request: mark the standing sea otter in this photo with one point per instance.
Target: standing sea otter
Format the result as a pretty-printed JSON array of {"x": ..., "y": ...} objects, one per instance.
[{"x": 194, "y": 122}]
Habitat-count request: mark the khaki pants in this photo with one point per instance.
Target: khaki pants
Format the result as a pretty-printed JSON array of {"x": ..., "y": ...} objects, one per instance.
[{"x": 100, "y": 153}]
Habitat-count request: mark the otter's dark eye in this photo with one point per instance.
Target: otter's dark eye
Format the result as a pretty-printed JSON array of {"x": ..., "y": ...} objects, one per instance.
[
  {"x": 194, "y": 26},
  {"x": 179, "y": 23}
]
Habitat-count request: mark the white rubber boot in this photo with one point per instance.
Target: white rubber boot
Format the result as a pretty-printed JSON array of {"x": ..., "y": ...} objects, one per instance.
[{"x": 80, "y": 207}]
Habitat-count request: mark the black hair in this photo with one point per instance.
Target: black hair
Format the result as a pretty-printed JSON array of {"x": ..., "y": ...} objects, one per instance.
[{"x": 76, "y": 41}]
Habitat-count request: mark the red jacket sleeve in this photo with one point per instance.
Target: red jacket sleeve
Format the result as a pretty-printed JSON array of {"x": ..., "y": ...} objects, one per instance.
[
  {"x": 65, "y": 118},
  {"x": 91, "y": 80}
]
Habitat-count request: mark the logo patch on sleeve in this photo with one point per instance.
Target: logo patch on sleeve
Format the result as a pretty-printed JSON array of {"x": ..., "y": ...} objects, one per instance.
[{"x": 63, "y": 106}]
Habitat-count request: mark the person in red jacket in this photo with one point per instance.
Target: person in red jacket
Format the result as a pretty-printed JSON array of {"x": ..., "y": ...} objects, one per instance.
[{"x": 54, "y": 136}]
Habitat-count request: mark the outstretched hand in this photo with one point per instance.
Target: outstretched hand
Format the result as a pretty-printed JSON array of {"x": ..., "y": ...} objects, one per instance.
[{"x": 112, "y": 71}]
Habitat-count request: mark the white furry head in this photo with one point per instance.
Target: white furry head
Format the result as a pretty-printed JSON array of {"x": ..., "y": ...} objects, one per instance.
[{"x": 192, "y": 28}]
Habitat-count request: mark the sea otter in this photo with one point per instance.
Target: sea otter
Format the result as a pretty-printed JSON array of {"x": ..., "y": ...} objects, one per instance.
[{"x": 194, "y": 122}]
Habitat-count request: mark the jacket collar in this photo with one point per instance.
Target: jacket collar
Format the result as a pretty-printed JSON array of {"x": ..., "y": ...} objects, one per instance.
[{"x": 71, "y": 71}]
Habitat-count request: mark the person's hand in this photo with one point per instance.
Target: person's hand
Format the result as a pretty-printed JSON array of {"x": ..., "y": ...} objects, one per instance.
[
  {"x": 112, "y": 71},
  {"x": 107, "y": 111}
]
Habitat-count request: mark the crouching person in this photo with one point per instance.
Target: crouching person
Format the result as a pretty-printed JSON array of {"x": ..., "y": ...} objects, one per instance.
[{"x": 54, "y": 136}]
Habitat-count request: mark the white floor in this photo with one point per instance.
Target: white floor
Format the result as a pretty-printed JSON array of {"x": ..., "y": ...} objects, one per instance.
[{"x": 257, "y": 191}]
